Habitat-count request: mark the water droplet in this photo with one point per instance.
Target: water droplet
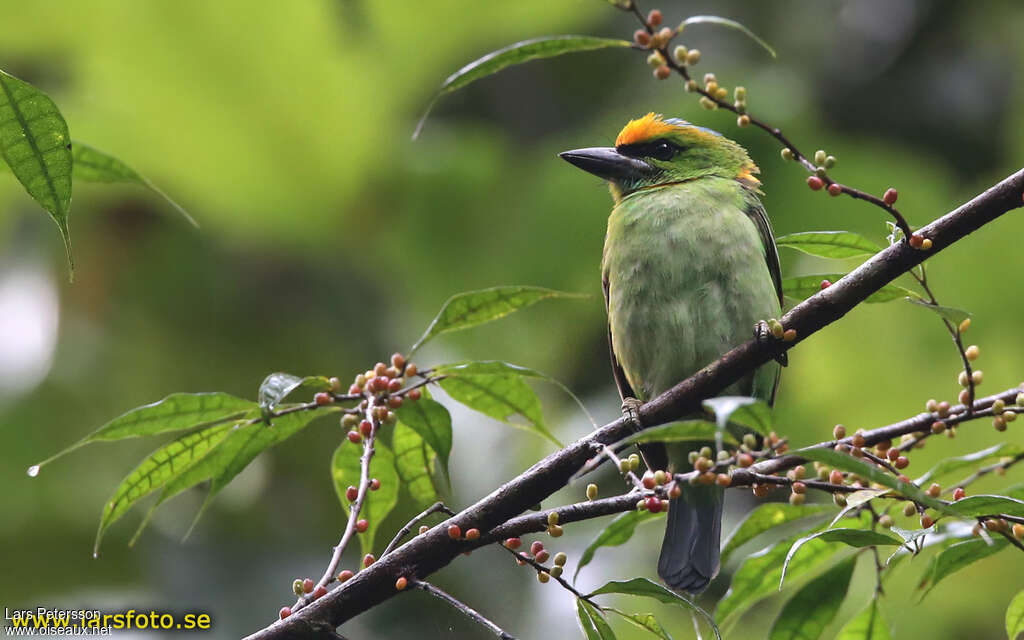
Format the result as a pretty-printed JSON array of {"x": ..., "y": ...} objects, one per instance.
[
  {"x": 95, "y": 554},
  {"x": 33, "y": 471}
]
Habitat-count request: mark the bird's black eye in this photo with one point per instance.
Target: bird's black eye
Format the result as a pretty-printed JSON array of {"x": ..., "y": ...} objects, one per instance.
[{"x": 662, "y": 150}]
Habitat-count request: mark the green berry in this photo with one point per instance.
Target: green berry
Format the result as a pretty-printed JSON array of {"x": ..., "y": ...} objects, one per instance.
[
  {"x": 560, "y": 559},
  {"x": 819, "y": 157},
  {"x": 787, "y": 153},
  {"x": 830, "y": 161},
  {"x": 591, "y": 491}
]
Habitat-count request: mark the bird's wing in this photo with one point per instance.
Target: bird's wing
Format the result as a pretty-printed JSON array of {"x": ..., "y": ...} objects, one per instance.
[{"x": 757, "y": 214}]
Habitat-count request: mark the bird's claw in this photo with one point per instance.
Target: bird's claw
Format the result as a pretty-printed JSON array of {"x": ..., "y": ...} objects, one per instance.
[
  {"x": 770, "y": 333},
  {"x": 631, "y": 411}
]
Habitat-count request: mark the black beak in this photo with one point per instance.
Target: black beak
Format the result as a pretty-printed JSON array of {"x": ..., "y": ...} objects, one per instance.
[{"x": 607, "y": 163}]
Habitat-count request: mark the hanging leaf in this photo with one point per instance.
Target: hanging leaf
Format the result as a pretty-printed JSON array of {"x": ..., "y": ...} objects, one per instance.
[
  {"x": 753, "y": 413},
  {"x": 957, "y": 556},
  {"x": 648, "y": 589},
  {"x": 726, "y": 22},
  {"x": 585, "y": 621},
  {"x": 986, "y": 505},
  {"x": 93, "y": 165},
  {"x": 501, "y": 397},
  {"x": 803, "y": 287},
  {"x": 954, "y": 315},
  {"x": 850, "y": 537},
  {"x": 604, "y": 631},
  {"x": 685, "y": 431},
  {"x": 948, "y": 465},
  {"x": 433, "y": 423},
  {"x": 36, "y": 145},
  {"x": 765, "y": 517},
  {"x": 617, "y": 533},
  {"x": 815, "y": 605},
  {"x": 473, "y": 308},
  {"x": 176, "y": 412},
  {"x": 346, "y": 471},
  {"x": 645, "y": 621},
  {"x": 413, "y": 457},
  {"x": 278, "y": 386},
  {"x": 1015, "y": 617},
  {"x": 829, "y": 244},
  {"x": 866, "y": 625},
  {"x": 518, "y": 53}
]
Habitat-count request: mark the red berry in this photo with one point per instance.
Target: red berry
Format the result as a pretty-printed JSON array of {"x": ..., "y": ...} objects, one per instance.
[
  {"x": 395, "y": 401},
  {"x": 366, "y": 428},
  {"x": 641, "y": 37},
  {"x": 836, "y": 477},
  {"x": 351, "y": 494},
  {"x": 653, "y": 504},
  {"x": 320, "y": 592},
  {"x": 410, "y": 370},
  {"x": 285, "y": 612},
  {"x": 368, "y": 559},
  {"x": 834, "y": 189},
  {"x": 473, "y": 534},
  {"x": 454, "y": 532},
  {"x": 648, "y": 480},
  {"x": 916, "y": 240},
  {"x": 379, "y": 368},
  {"x": 362, "y": 525},
  {"x": 825, "y": 284},
  {"x": 745, "y": 459},
  {"x": 401, "y": 583},
  {"x": 541, "y": 556},
  {"x": 815, "y": 183},
  {"x": 345, "y": 575},
  {"x": 307, "y": 585},
  {"x": 513, "y": 543},
  {"x": 397, "y": 360},
  {"x": 893, "y": 454},
  {"x": 374, "y": 484},
  {"x": 394, "y": 385},
  {"x": 901, "y": 462},
  {"x": 354, "y": 437},
  {"x": 354, "y": 389},
  {"x": 654, "y": 18},
  {"x": 662, "y": 72},
  {"x": 890, "y": 195},
  {"x": 536, "y": 547},
  {"x": 414, "y": 394},
  {"x": 959, "y": 493},
  {"x": 926, "y": 521},
  {"x": 323, "y": 398},
  {"x": 724, "y": 480}
]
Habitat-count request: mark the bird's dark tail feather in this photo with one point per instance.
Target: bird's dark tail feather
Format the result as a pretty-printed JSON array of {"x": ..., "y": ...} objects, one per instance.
[{"x": 690, "y": 552}]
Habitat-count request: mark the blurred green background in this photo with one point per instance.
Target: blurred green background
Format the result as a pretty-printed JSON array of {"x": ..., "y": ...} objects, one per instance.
[{"x": 329, "y": 239}]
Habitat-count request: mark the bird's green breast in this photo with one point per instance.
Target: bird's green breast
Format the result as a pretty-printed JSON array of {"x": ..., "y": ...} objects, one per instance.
[{"x": 687, "y": 281}]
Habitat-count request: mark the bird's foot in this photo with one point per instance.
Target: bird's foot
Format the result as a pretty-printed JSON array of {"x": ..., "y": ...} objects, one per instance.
[
  {"x": 631, "y": 411},
  {"x": 770, "y": 333}
]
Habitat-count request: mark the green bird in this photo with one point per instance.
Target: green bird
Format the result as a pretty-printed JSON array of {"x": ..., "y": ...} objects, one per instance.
[{"x": 690, "y": 270}]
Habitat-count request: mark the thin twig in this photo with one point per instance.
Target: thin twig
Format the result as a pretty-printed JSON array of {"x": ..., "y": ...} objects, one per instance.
[
  {"x": 437, "y": 507},
  {"x": 464, "y": 609}
]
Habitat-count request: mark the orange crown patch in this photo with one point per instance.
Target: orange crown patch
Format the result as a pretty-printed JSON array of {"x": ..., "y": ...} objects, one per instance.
[{"x": 646, "y": 128}]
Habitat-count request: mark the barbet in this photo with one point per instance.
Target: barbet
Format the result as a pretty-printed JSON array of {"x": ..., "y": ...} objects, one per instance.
[{"x": 690, "y": 268}]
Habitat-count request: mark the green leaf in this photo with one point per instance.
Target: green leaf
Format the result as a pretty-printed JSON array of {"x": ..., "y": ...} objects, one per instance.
[
  {"x": 829, "y": 244},
  {"x": 954, "y": 315},
  {"x": 156, "y": 470},
  {"x": 1015, "y": 617},
  {"x": 346, "y": 469},
  {"x": 957, "y": 556},
  {"x": 871, "y": 472},
  {"x": 413, "y": 462},
  {"x": 752, "y": 413},
  {"x": 586, "y": 623},
  {"x": 803, "y": 287},
  {"x": 36, "y": 145},
  {"x": 648, "y": 589},
  {"x": 765, "y": 517},
  {"x": 987, "y": 505},
  {"x": 866, "y": 625},
  {"x": 604, "y": 631},
  {"x": 433, "y": 423},
  {"x": 685, "y": 431},
  {"x": 617, "y": 533},
  {"x": 465, "y": 310},
  {"x": 93, "y": 165},
  {"x": 500, "y": 397},
  {"x": 850, "y": 537},
  {"x": 278, "y": 386},
  {"x": 948, "y": 465},
  {"x": 815, "y": 605},
  {"x": 726, "y": 22},
  {"x": 645, "y": 621},
  {"x": 518, "y": 53},
  {"x": 176, "y": 412}
]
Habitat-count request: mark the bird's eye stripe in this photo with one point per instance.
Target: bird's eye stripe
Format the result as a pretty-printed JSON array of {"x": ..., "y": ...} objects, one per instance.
[{"x": 658, "y": 149}]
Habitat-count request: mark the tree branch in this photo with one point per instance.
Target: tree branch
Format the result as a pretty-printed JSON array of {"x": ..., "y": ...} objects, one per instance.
[{"x": 431, "y": 551}]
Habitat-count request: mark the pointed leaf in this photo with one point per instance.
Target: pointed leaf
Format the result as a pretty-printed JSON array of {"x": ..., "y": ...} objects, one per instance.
[
  {"x": 278, "y": 386},
  {"x": 948, "y": 465},
  {"x": 814, "y": 606},
  {"x": 874, "y": 474},
  {"x": 604, "y": 631},
  {"x": 765, "y": 517},
  {"x": 346, "y": 471},
  {"x": 586, "y": 624},
  {"x": 413, "y": 459},
  {"x": 954, "y": 315},
  {"x": 518, "y": 53},
  {"x": 851, "y": 537},
  {"x": 1015, "y": 617},
  {"x": 176, "y": 412},
  {"x": 752, "y": 413},
  {"x": 93, "y": 165},
  {"x": 986, "y": 505},
  {"x": 866, "y": 625},
  {"x": 157, "y": 469},
  {"x": 501, "y": 397},
  {"x": 465, "y": 310},
  {"x": 648, "y": 589},
  {"x": 957, "y": 556},
  {"x": 433, "y": 423},
  {"x": 732, "y": 24},
  {"x": 617, "y": 533},
  {"x": 645, "y": 621},
  {"x": 803, "y": 287},
  {"x": 35, "y": 144},
  {"x": 829, "y": 244},
  {"x": 685, "y": 431}
]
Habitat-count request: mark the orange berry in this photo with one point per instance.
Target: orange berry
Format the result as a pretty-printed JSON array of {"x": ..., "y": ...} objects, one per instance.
[
  {"x": 473, "y": 534},
  {"x": 345, "y": 575},
  {"x": 401, "y": 583},
  {"x": 362, "y": 525},
  {"x": 454, "y": 532},
  {"x": 368, "y": 559},
  {"x": 513, "y": 543},
  {"x": 815, "y": 183},
  {"x": 889, "y": 197},
  {"x": 285, "y": 612}
]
